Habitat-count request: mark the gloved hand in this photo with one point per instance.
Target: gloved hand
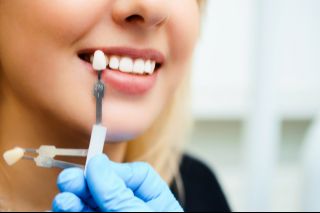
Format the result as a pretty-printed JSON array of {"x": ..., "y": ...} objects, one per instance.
[{"x": 114, "y": 187}]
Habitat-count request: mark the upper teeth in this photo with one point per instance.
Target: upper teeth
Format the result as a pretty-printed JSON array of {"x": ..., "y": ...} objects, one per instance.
[{"x": 129, "y": 65}]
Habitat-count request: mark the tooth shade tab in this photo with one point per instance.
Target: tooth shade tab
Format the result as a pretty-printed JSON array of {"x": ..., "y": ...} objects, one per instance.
[
  {"x": 100, "y": 61},
  {"x": 13, "y": 156}
]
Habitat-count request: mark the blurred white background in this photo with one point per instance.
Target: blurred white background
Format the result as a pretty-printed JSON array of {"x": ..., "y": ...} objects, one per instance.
[{"x": 256, "y": 81}]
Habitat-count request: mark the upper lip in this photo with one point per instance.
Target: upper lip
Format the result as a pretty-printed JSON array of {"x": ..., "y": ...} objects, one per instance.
[{"x": 146, "y": 54}]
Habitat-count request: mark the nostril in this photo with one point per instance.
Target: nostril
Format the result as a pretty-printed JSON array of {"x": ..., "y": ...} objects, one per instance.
[{"x": 135, "y": 18}]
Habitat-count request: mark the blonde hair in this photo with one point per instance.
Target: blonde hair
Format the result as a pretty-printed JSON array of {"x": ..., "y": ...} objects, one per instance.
[{"x": 163, "y": 144}]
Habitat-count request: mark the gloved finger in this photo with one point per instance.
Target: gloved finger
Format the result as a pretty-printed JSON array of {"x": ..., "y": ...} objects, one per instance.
[
  {"x": 72, "y": 180},
  {"x": 165, "y": 202},
  {"x": 141, "y": 179},
  {"x": 68, "y": 202},
  {"x": 146, "y": 184},
  {"x": 109, "y": 190}
]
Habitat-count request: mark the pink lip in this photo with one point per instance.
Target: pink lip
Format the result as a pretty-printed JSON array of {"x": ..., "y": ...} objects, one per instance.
[{"x": 130, "y": 84}]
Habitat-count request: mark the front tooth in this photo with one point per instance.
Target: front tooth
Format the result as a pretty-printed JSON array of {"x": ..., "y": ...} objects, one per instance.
[
  {"x": 114, "y": 62},
  {"x": 126, "y": 64},
  {"x": 138, "y": 66},
  {"x": 149, "y": 68}
]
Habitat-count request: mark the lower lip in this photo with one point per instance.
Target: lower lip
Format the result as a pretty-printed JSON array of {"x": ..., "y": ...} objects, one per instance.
[{"x": 130, "y": 84}]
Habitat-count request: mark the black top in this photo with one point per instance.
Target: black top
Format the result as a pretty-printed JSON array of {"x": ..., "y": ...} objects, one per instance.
[{"x": 201, "y": 190}]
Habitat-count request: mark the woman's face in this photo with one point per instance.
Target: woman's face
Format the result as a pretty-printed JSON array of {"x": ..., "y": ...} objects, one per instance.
[{"x": 45, "y": 48}]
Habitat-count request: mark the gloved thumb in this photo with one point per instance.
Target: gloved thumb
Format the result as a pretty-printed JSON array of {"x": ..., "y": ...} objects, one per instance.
[
  {"x": 108, "y": 190},
  {"x": 147, "y": 185}
]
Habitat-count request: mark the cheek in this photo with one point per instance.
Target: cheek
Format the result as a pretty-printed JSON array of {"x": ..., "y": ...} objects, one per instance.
[
  {"x": 37, "y": 56},
  {"x": 184, "y": 27},
  {"x": 48, "y": 21},
  {"x": 184, "y": 32},
  {"x": 36, "y": 39}
]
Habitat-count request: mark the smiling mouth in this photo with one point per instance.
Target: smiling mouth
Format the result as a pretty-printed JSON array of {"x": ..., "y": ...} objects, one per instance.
[
  {"x": 129, "y": 71},
  {"x": 129, "y": 61}
]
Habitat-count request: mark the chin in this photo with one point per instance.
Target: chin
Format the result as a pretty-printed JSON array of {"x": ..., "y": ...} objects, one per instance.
[
  {"x": 121, "y": 129},
  {"x": 125, "y": 134},
  {"x": 119, "y": 137}
]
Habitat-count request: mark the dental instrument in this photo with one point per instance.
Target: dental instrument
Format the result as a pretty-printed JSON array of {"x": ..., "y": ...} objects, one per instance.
[
  {"x": 45, "y": 156},
  {"x": 99, "y": 64},
  {"x": 13, "y": 156},
  {"x": 99, "y": 132}
]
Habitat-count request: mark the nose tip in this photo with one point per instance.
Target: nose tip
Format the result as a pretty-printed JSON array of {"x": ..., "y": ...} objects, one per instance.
[{"x": 145, "y": 14}]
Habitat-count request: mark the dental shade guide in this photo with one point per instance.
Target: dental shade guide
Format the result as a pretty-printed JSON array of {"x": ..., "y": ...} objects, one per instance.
[
  {"x": 13, "y": 156},
  {"x": 45, "y": 156},
  {"x": 99, "y": 132}
]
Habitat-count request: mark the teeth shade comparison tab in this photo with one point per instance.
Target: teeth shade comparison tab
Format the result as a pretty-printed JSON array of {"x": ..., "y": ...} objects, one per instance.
[
  {"x": 100, "y": 61},
  {"x": 13, "y": 156}
]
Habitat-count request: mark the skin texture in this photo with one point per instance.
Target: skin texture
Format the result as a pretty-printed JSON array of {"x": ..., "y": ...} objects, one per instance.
[{"x": 46, "y": 91}]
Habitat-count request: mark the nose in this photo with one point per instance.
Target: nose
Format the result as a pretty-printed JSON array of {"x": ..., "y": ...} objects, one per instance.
[{"x": 146, "y": 14}]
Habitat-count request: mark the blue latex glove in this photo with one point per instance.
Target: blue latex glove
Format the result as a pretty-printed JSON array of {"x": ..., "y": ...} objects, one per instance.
[{"x": 115, "y": 187}]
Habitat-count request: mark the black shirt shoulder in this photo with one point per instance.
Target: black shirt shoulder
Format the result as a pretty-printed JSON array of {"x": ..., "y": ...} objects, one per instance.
[{"x": 202, "y": 191}]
